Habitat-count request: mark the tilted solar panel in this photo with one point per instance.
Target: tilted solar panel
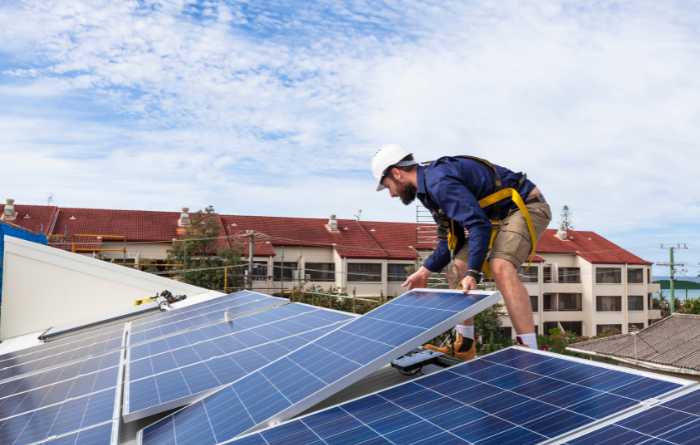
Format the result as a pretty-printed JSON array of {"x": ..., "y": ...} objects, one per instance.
[
  {"x": 310, "y": 374},
  {"x": 62, "y": 408},
  {"x": 676, "y": 421},
  {"x": 167, "y": 323},
  {"x": 25, "y": 364},
  {"x": 186, "y": 367},
  {"x": 513, "y": 396}
]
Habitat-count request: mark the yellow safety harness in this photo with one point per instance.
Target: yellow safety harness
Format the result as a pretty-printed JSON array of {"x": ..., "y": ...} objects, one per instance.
[{"x": 447, "y": 224}]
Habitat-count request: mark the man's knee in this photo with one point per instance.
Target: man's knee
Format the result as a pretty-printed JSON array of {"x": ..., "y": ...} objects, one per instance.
[{"x": 501, "y": 268}]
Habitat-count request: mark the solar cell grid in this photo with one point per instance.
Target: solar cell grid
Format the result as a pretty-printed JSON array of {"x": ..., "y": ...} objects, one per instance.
[
  {"x": 104, "y": 434},
  {"x": 170, "y": 323},
  {"x": 169, "y": 379},
  {"x": 497, "y": 399},
  {"x": 674, "y": 422},
  {"x": 80, "y": 408},
  {"x": 59, "y": 374},
  {"x": 21, "y": 366},
  {"x": 310, "y": 374},
  {"x": 63, "y": 345}
]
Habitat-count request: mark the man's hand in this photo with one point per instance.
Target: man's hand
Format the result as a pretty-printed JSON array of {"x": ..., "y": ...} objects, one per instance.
[
  {"x": 419, "y": 279},
  {"x": 468, "y": 283}
]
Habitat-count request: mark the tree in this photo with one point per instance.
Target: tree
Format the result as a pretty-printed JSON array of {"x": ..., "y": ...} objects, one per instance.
[
  {"x": 566, "y": 220},
  {"x": 201, "y": 247}
]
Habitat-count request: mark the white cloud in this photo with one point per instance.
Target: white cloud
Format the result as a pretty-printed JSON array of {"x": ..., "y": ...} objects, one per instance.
[{"x": 276, "y": 108}]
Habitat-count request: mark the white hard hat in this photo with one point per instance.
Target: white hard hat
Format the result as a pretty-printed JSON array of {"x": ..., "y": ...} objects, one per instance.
[{"x": 384, "y": 158}]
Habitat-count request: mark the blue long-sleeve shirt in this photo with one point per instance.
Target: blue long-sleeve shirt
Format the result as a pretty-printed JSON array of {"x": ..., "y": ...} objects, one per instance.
[{"x": 456, "y": 185}]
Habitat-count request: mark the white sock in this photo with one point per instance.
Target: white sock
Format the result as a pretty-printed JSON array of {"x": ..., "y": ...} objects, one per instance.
[
  {"x": 466, "y": 331},
  {"x": 529, "y": 340}
]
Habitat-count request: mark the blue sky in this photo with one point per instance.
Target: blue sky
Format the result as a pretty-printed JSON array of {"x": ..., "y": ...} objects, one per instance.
[{"x": 275, "y": 108}]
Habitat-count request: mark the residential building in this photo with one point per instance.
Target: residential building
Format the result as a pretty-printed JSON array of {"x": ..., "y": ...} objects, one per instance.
[
  {"x": 578, "y": 281},
  {"x": 583, "y": 283}
]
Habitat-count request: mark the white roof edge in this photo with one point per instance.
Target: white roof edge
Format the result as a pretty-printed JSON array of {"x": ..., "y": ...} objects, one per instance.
[{"x": 91, "y": 266}]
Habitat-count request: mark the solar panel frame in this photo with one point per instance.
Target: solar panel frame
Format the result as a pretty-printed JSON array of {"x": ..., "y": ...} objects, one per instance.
[
  {"x": 130, "y": 416},
  {"x": 88, "y": 436},
  {"x": 426, "y": 328},
  {"x": 519, "y": 434}
]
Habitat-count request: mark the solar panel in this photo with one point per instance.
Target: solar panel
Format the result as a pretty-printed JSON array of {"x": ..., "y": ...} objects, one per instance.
[
  {"x": 56, "y": 375},
  {"x": 110, "y": 333},
  {"x": 62, "y": 408},
  {"x": 103, "y": 434},
  {"x": 676, "y": 421},
  {"x": 167, "y": 323},
  {"x": 310, "y": 374},
  {"x": 513, "y": 396},
  {"x": 34, "y": 362},
  {"x": 178, "y": 370}
]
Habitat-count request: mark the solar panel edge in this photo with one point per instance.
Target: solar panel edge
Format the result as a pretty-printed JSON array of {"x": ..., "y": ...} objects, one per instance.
[
  {"x": 193, "y": 328},
  {"x": 188, "y": 400},
  {"x": 372, "y": 366}
]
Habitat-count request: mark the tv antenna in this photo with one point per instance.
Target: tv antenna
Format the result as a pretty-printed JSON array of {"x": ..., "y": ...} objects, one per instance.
[
  {"x": 50, "y": 198},
  {"x": 359, "y": 214}
]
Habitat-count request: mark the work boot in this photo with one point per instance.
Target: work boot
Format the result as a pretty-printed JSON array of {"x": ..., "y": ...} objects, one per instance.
[{"x": 459, "y": 349}]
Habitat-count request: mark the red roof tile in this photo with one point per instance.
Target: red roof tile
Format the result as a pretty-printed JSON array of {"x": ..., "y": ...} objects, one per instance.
[
  {"x": 38, "y": 219},
  {"x": 588, "y": 245},
  {"x": 354, "y": 239}
]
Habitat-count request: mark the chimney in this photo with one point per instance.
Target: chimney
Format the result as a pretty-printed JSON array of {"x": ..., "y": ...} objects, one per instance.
[
  {"x": 561, "y": 234},
  {"x": 184, "y": 217},
  {"x": 9, "y": 214},
  {"x": 332, "y": 225}
]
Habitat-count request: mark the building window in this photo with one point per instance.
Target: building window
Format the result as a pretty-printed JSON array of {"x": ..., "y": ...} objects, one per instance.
[
  {"x": 631, "y": 327},
  {"x": 600, "y": 328},
  {"x": 320, "y": 271},
  {"x": 570, "y": 302},
  {"x": 649, "y": 275},
  {"x": 364, "y": 272},
  {"x": 506, "y": 332},
  {"x": 549, "y": 302},
  {"x": 530, "y": 275},
  {"x": 635, "y": 303},
  {"x": 288, "y": 270},
  {"x": 549, "y": 325},
  {"x": 537, "y": 330},
  {"x": 547, "y": 274},
  {"x": 259, "y": 271},
  {"x": 397, "y": 272},
  {"x": 569, "y": 274},
  {"x": 607, "y": 275},
  {"x": 607, "y": 304},
  {"x": 575, "y": 327},
  {"x": 635, "y": 276},
  {"x": 533, "y": 303}
]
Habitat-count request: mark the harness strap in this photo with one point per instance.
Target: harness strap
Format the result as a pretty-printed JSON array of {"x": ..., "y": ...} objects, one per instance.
[{"x": 499, "y": 196}]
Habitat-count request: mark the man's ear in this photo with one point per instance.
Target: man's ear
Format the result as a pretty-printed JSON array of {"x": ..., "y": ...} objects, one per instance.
[{"x": 396, "y": 174}]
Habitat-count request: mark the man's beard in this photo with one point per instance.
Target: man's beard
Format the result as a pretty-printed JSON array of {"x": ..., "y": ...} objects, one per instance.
[{"x": 407, "y": 192}]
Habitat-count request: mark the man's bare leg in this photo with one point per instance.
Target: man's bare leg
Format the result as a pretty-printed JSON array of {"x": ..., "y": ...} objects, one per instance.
[
  {"x": 463, "y": 267},
  {"x": 514, "y": 295}
]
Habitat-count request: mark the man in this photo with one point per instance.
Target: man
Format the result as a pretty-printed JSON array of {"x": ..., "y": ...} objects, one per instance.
[{"x": 450, "y": 188}]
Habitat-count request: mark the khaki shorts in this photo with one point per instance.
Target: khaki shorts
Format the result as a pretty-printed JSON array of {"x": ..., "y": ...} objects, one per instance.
[{"x": 512, "y": 242}]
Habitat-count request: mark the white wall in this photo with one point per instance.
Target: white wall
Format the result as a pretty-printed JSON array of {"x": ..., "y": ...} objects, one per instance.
[{"x": 45, "y": 287}]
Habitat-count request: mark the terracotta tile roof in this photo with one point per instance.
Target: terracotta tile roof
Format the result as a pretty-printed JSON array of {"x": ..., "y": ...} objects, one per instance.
[
  {"x": 365, "y": 239},
  {"x": 588, "y": 245},
  {"x": 38, "y": 219},
  {"x": 353, "y": 239},
  {"x": 673, "y": 341}
]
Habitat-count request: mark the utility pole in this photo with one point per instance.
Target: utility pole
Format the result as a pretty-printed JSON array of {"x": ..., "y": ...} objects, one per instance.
[
  {"x": 251, "y": 252},
  {"x": 672, "y": 265}
]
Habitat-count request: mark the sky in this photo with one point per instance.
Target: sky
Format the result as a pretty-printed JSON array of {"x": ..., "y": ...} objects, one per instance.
[{"x": 276, "y": 107}]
